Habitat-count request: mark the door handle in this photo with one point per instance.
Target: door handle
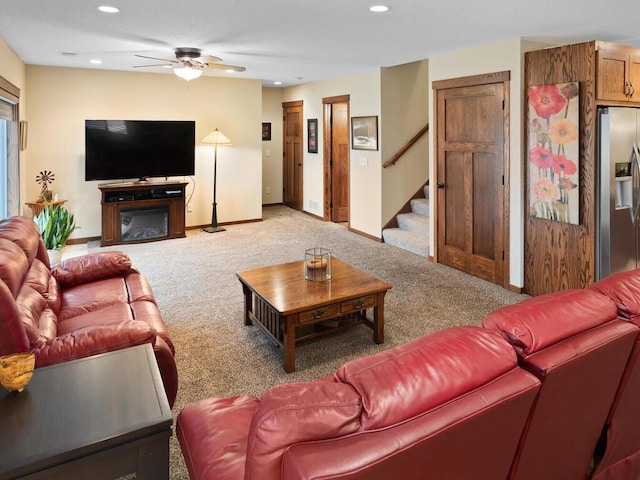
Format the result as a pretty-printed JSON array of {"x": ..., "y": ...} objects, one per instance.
[{"x": 439, "y": 185}]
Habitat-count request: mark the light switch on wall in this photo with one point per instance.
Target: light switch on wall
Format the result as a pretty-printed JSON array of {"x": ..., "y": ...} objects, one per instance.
[
  {"x": 267, "y": 153},
  {"x": 364, "y": 161}
]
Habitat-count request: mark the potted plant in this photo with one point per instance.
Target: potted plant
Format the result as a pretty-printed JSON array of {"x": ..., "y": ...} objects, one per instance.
[{"x": 56, "y": 225}]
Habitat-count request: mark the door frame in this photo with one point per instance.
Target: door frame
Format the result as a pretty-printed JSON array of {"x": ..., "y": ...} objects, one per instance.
[
  {"x": 327, "y": 136},
  {"x": 504, "y": 78}
]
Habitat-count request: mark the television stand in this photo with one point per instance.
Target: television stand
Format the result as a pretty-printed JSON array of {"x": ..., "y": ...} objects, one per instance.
[{"x": 142, "y": 212}]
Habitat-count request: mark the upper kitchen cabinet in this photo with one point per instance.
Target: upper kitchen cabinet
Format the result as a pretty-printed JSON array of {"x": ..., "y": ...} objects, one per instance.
[{"x": 618, "y": 71}]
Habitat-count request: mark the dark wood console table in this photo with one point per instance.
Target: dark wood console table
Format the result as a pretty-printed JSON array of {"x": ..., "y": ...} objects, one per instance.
[
  {"x": 100, "y": 417},
  {"x": 161, "y": 203}
]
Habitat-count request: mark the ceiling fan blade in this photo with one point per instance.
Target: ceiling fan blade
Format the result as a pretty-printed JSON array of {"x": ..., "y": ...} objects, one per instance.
[
  {"x": 220, "y": 66},
  {"x": 156, "y": 58},
  {"x": 157, "y": 65},
  {"x": 209, "y": 59}
]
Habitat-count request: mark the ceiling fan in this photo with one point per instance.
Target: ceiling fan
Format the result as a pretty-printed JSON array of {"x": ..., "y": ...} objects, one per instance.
[{"x": 190, "y": 63}]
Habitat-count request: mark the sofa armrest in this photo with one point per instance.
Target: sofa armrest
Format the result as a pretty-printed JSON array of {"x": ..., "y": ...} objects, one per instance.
[
  {"x": 94, "y": 340},
  {"x": 213, "y": 436},
  {"x": 168, "y": 369},
  {"x": 91, "y": 267}
]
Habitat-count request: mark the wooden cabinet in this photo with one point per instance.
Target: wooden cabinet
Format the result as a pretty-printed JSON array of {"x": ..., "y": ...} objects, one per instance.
[
  {"x": 618, "y": 73},
  {"x": 634, "y": 75},
  {"x": 142, "y": 212}
]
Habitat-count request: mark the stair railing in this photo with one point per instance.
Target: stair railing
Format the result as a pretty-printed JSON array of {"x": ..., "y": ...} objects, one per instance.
[{"x": 408, "y": 145}]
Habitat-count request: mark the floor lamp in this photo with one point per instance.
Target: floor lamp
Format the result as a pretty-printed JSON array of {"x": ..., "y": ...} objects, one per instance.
[{"x": 215, "y": 138}]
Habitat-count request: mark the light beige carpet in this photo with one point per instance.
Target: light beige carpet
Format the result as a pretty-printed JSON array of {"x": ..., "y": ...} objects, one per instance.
[{"x": 201, "y": 300}]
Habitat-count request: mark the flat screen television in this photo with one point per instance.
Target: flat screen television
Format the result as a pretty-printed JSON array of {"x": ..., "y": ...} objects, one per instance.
[{"x": 128, "y": 149}]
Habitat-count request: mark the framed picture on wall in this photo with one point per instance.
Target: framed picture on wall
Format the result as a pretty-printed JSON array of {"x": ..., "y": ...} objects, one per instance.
[
  {"x": 364, "y": 133},
  {"x": 266, "y": 131},
  {"x": 312, "y": 135}
]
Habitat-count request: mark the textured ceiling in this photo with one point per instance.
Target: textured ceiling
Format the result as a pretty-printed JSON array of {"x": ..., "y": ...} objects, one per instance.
[{"x": 297, "y": 41}]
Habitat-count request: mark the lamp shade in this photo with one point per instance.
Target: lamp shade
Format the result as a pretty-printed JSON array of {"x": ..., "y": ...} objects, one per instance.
[
  {"x": 188, "y": 73},
  {"x": 216, "y": 138}
]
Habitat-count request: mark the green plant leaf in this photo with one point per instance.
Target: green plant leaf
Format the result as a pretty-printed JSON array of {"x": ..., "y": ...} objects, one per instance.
[{"x": 56, "y": 224}]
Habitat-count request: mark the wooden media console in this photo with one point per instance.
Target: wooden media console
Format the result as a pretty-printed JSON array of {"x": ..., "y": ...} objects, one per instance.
[{"x": 142, "y": 212}]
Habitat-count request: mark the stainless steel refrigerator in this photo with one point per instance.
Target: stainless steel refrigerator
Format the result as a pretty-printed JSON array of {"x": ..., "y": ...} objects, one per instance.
[{"x": 618, "y": 182}]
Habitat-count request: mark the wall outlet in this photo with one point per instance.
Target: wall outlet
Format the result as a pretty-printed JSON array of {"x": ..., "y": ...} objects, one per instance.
[
  {"x": 189, "y": 207},
  {"x": 268, "y": 190}
]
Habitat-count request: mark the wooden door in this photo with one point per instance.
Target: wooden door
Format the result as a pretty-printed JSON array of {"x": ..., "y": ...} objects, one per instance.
[
  {"x": 470, "y": 149},
  {"x": 292, "y": 154},
  {"x": 336, "y": 158}
]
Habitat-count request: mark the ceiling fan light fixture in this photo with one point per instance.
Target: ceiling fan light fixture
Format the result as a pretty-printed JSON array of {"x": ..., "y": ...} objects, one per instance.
[{"x": 187, "y": 73}]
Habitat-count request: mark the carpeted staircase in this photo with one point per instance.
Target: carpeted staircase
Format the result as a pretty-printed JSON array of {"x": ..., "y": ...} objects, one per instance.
[{"x": 413, "y": 228}]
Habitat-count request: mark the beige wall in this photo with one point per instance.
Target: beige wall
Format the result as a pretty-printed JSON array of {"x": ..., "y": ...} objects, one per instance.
[
  {"x": 399, "y": 97},
  {"x": 14, "y": 71},
  {"x": 62, "y": 98},
  {"x": 272, "y": 150},
  {"x": 405, "y": 110},
  {"x": 365, "y": 166}
]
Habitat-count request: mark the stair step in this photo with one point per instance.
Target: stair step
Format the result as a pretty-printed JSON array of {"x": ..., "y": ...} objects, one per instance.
[
  {"x": 414, "y": 222},
  {"x": 407, "y": 240},
  {"x": 421, "y": 206}
]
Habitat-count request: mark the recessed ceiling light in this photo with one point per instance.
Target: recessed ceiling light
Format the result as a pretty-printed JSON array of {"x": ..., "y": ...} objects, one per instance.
[
  {"x": 379, "y": 8},
  {"x": 108, "y": 9},
  {"x": 230, "y": 70},
  {"x": 95, "y": 61},
  {"x": 277, "y": 83}
]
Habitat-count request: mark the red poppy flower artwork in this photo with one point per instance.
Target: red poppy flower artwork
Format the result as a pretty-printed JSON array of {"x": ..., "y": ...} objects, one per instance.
[
  {"x": 541, "y": 157},
  {"x": 554, "y": 152},
  {"x": 546, "y": 100}
]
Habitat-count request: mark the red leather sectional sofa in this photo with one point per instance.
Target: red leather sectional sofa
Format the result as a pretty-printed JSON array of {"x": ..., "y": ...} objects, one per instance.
[
  {"x": 85, "y": 306},
  {"x": 545, "y": 389}
]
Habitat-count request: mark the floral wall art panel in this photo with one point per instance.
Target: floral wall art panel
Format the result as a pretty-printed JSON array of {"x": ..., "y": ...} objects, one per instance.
[{"x": 554, "y": 152}]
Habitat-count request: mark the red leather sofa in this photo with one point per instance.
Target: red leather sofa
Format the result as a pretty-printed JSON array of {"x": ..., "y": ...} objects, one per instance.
[
  {"x": 448, "y": 405},
  {"x": 84, "y": 306},
  {"x": 547, "y": 388},
  {"x": 575, "y": 344},
  {"x": 618, "y": 455}
]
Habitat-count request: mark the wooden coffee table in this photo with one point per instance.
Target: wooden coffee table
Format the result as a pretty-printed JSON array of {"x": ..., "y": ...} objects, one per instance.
[{"x": 290, "y": 309}]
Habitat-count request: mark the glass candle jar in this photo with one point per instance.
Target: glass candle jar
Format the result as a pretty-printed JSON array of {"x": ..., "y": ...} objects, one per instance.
[{"x": 317, "y": 264}]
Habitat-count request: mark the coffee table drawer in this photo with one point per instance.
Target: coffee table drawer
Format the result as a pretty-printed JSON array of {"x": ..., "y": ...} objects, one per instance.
[
  {"x": 358, "y": 304},
  {"x": 329, "y": 311}
]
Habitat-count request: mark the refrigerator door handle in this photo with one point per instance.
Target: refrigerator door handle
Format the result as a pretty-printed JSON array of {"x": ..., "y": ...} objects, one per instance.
[{"x": 635, "y": 172}]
